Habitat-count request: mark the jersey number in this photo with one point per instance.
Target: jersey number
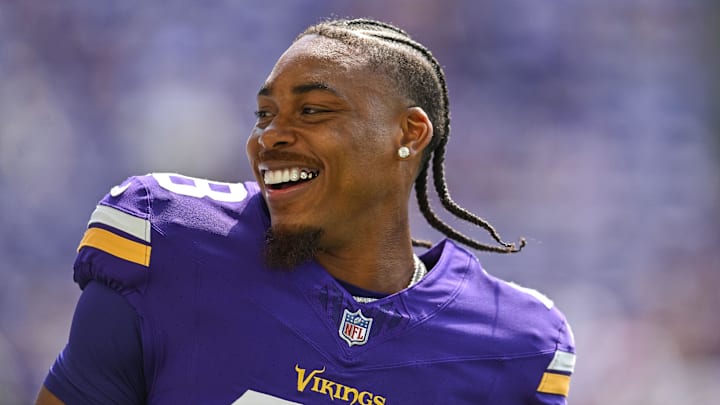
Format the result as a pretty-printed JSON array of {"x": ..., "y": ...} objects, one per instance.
[
  {"x": 251, "y": 397},
  {"x": 199, "y": 188}
]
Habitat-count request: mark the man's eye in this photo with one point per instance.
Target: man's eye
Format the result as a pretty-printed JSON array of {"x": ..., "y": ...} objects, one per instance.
[
  {"x": 312, "y": 110},
  {"x": 260, "y": 114}
]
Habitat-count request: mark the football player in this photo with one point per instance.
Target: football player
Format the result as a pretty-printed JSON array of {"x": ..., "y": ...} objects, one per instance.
[{"x": 303, "y": 287}]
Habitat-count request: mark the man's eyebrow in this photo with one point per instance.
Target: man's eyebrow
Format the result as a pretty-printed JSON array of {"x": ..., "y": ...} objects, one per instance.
[
  {"x": 308, "y": 87},
  {"x": 266, "y": 90}
]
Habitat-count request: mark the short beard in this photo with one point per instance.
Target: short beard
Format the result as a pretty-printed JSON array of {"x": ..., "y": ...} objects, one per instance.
[{"x": 287, "y": 247}]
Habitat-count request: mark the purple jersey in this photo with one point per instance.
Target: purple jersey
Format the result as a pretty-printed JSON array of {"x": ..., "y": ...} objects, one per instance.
[{"x": 218, "y": 327}]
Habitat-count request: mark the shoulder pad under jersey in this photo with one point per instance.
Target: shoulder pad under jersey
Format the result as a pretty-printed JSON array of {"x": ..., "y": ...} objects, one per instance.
[
  {"x": 117, "y": 245},
  {"x": 537, "y": 324}
]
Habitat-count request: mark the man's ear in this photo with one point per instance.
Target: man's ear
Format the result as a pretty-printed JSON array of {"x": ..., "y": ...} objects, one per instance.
[{"x": 417, "y": 131}]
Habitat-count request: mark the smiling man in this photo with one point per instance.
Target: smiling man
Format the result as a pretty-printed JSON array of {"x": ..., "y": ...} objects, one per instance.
[
  {"x": 304, "y": 287},
  {"x": 326, "y": 111}
]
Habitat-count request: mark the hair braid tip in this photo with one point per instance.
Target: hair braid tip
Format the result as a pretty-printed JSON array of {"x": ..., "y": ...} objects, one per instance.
[{"x": 513, "y": 248}]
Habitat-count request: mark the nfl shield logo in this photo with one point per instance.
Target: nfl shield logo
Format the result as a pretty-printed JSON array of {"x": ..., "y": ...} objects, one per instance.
[{"x": 355, "y": 327}]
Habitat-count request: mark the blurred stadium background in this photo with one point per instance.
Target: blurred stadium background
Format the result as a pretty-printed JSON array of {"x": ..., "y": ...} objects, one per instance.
[{"x": 589, "y": 127}]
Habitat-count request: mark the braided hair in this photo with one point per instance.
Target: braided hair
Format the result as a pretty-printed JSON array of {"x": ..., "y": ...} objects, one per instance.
[{"x": 415, "y": 71}]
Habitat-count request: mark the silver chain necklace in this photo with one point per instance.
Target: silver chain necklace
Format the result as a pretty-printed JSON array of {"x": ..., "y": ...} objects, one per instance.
[{"x": 418, "y": 274}]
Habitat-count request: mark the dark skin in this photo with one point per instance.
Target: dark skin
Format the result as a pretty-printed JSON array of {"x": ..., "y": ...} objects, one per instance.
[
  {"x": 322, "y": 103},
  {"x": 330, "y": 112}
]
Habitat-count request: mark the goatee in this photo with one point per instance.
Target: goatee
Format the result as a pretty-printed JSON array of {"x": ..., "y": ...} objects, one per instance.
[{"x": 287, "y": 247}]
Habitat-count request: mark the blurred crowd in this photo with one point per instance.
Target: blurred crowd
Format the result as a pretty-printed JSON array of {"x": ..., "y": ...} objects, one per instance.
[{"x": 588, "y": 127}]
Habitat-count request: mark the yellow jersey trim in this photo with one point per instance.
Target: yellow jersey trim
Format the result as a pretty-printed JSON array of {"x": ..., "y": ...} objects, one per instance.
[
  {"x": 116, "y": 245},
  {"x": 552, "y": 383}
]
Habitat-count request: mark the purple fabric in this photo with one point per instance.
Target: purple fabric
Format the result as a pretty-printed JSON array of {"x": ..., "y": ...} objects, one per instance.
[
  {"x": 102, "y": 362},
  {"x": 216, "y": 323}
]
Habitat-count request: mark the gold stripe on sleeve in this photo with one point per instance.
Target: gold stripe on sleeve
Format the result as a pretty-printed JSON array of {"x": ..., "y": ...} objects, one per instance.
[
  {"x": 552, "y": 383},
  {"x": 116, "y": 245}
]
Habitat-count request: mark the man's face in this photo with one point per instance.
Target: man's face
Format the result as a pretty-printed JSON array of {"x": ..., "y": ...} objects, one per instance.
[{"x": 324, "y": 145}]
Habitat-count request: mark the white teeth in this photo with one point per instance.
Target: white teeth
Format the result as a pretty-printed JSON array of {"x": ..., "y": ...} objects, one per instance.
[{"x": 294, "y": 174}]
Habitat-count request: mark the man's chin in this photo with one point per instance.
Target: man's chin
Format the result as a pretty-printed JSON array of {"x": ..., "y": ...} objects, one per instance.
[{"x": 287, "y": 246}]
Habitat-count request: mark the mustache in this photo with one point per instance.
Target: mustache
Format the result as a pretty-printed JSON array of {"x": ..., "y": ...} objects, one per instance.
[{"x": 275, "y": 155}]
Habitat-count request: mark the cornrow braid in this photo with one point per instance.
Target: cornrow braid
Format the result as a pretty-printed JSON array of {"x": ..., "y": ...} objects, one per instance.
[{"x": 416, "y": 71}]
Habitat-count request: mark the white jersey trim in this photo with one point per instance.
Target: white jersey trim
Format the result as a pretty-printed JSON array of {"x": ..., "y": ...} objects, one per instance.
[
  {"x": 533, "y": 293},
  {"x": 137, "y": 227},
  {"x": 563, "y": 361}
]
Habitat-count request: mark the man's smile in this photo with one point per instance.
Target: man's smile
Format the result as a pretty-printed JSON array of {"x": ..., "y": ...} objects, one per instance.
[{"x": 287, "y": 177}]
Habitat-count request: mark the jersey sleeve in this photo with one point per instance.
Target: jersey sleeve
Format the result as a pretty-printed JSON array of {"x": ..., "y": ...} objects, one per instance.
[
  {"x": 554, "y": 382},
  {"x": 102, "y": 361},
  {"x": 116, "y": 247},
  {"x": 545, "y": 343}
]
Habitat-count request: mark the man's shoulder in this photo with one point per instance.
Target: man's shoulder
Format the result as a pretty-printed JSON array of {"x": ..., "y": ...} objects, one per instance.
[
  {"x": 136, "y": 225},
  {"x": 516, "y": 318},
  {"x": 529, "y": 318},
  {"x": 174, "y": 197}
]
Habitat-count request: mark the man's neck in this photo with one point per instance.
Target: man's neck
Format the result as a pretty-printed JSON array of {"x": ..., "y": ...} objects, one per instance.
[{"x": 385, "y": 268}]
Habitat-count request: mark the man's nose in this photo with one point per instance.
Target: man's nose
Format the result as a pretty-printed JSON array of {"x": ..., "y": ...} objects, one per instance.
[{"x": 276, "y": 135}]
